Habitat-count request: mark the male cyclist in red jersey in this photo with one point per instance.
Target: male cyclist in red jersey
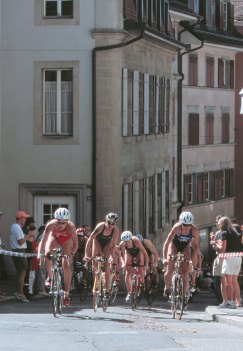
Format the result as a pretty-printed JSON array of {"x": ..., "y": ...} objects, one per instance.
[
  {"x": 178, "y": 240},
  {"x": 102, "y": 241},
  {"x": 60, "y": 233},
  {"x": 132, "y": 248}
]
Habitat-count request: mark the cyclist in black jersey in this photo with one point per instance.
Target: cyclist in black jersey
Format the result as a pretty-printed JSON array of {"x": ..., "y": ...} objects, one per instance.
[
  {"x": 178, "y": 240},
  {"x": 102, "y": 241},
  {"x": 132, "y": 248}
]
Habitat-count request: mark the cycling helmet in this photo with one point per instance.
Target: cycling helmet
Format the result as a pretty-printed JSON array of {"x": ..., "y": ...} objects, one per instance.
[
  {"x": 140, "y": 237},
  {"x": 126, "y": 236},
  {"x": 62, "y": 213},
  {"x": 186, "y": 218},
  {"x": 112, "y": 218},
  {"x": 81, "y": 231}
]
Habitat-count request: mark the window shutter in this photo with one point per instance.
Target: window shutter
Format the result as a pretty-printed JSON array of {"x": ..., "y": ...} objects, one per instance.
[
  {"x": 157, "y": 105},
  {"x": 225, "y": 128},
  {"x": 146, "y": 103},
  {"x": 209, "y": 128},
  {"x": 232, "y": 73},
  {"x": 135, "y": 103},
  {"x": 124, "y": 102},
  {"x": 220, "y": 73},
  {"x": 193, "y": 131}
]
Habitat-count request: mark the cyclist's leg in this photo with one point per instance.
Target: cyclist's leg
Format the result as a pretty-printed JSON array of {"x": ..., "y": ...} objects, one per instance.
[
  {"x": 51, "y": 244},
  {"x": 186, "y": 267},
  {"x": 66, "y": 265},
  {"x": 96, "y": 251},
  {"x": 128, "y": 273},
  {"x": 107, "y": 254},
  {"x": 141, "y": 267},
  {"x": 169, "y": 268}
]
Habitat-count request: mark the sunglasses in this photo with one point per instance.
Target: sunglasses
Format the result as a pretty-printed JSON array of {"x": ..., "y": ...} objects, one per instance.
[
  {"x": 186, "y": 225},
  {"x": 61, "y": 223},
  {"x": 111, "y": 223}
]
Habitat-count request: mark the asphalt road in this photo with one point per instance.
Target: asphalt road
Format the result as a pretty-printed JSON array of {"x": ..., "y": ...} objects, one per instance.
[{"x": 32, "y": 327}]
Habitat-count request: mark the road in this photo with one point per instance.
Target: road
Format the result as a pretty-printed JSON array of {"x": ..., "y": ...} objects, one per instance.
[{"x": 32, "y": 327}]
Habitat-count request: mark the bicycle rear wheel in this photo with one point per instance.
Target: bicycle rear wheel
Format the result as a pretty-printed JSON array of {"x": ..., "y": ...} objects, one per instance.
[
  {"x": 177, "y": 297},
  {"x": 151, "y": 287}
]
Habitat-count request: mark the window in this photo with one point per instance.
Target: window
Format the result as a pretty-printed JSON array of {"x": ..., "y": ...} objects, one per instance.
[
  {"x": 193, "y": 70},
  {"x": 58, "y": 8},
  {"x": 57, "y": 12},
  {"x": 209, "y": 128},
  {"x": 193, "y": 129},
  {"x": 225, "y": 128},
  {"x": 225, "y": 74},
  {"x": 194, "y": 5},
  {"x": 208, "y": 186},
  {"x": 210, "y": 72},
  {"x": 210, "y": 12},
  {"x": 145, "y": 103},
  {"x": 58, "y": 102}
]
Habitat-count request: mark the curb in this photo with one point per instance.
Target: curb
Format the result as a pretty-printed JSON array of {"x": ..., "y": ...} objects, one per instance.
[{"x": 231, "y": 317}]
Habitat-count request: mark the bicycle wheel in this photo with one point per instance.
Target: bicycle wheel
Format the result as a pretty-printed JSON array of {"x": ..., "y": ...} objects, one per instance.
[
  {"x": 96, "y": 291},
  {"x": 177, "y": 297},
  {"x": 60, "y": 292},
  {"x": 54, "y": 293},
  {"x": 113, "y": 294},
  {"x": 151, "y": 287},
  {"x": 134, "y": 294}
]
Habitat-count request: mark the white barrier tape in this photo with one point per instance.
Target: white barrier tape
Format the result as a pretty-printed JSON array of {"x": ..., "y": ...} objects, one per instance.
[
  {"x": 17, "y": 254},
  {"x": 230, "y": 254}
]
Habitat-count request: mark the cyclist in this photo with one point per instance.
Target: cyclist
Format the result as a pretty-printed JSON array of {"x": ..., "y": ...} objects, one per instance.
[
  {"x": 152, "y": 254},
  {"x": 132, "y": 248},
  {"x": 82, "y": 241},
  {"x": 60, "y": 232},
  {"x": 178, "y": 240},
  {"x": 197, "y": 264},
  {"x": 102, "y": 241},
  {"x": 116, "y": 264}
]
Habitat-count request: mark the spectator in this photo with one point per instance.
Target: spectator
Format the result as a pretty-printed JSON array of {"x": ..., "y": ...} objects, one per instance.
[
  {"x": 18, "y": 244},
  {"x": 31, "y": 245},
  {"x": 231, "y": 265},
  {"x": 41, "y": 272}
]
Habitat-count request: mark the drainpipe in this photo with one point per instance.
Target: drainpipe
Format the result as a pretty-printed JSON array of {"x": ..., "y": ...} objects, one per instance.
[
  {"x": 179, "y": 120},
  {"x": 94, "y": 153}
]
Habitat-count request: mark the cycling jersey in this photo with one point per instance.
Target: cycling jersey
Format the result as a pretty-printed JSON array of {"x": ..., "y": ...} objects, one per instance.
[
  {"x": 133, "y": 251},
  {"x": 61, "y": 235},
  {"x": 181, "y": 240},
  {"x": 104, "y": 239}
]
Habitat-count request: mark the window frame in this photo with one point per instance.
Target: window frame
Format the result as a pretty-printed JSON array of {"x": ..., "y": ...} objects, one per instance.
[{"x": 39, "y": 137}]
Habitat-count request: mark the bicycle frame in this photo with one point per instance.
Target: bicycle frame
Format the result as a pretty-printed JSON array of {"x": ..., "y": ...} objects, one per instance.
[
  {"x": 177, "y": 289},
  {"x": 151, "y": 285},
  {"x": 56, "y": 289},
  {"x": 99, "y": 286}
]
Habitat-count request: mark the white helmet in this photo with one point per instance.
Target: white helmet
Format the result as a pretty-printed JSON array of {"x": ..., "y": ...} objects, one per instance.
[
  {"x": 126, "y": 236},
  {"x": 186, "y": 218},
  {"x": 62, "y": 213},
  {"x": 112, "y": 218}
]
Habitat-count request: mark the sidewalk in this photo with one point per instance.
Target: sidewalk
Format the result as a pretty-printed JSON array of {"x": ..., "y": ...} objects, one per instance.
[
  {"x": 226, "y": 315},
  {"x": 9, "y": 288}
]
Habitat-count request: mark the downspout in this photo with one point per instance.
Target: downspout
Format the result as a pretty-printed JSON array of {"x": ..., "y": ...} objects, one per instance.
[
  {"x": 179, "y": 120},
  {"x": 94, "y": 153}
]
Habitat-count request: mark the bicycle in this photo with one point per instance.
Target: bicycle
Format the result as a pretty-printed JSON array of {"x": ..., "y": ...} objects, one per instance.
[
  {"x": 115, "y": 280},
  {"x": 99, "y": 285},
  {"x": 80, "y": 280},
  {"x": 151, "y": 285},
  {"x": 57, "y": 281},
  {"x": 178, "y": 298},
  {"x": 137, "y": 287}
]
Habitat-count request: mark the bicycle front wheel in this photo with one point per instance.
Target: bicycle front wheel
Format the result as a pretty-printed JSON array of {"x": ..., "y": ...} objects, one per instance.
[
  {"x": 134, "y": 295},
  {"x": 177, "y": 297},
  {"x": 54, "y": 292},
  {"x": 96, "y": 291},
  {"x": 60, "y": 292}
]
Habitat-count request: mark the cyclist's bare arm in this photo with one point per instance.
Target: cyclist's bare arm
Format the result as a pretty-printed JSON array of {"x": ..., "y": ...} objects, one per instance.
[
  {"x": 74, "y": 239},
  {"x": 169, "y": 239},
  {"x": 196, "y": 240},
  {"x": 42, "y": 244},
  {"x": 93, "y": 235}
]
